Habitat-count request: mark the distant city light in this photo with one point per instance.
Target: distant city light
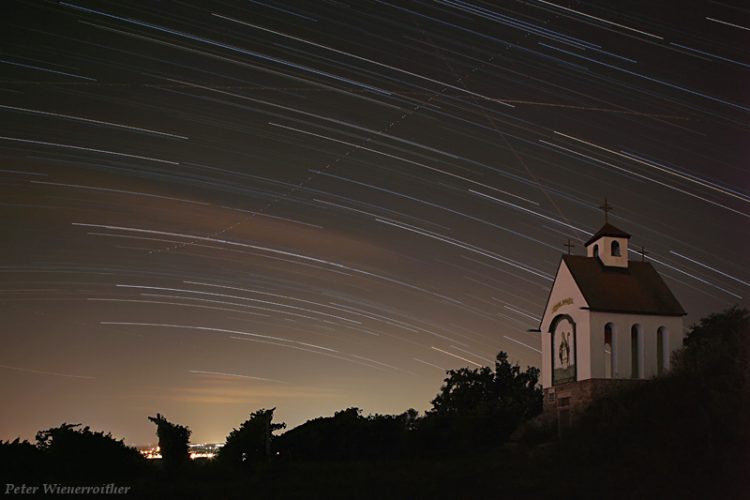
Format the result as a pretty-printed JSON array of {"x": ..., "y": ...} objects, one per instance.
[{"x": 201, "y": 450}]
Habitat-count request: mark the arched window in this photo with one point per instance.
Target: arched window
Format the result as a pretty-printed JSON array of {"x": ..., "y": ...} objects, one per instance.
[
  {"x": 636, "y": 346},
  {"x": 596, "y": 250},
  {"x": 609, "y": 350},
  {"x": 662, "y": 350},
  {"x": 615, "y": 248}
]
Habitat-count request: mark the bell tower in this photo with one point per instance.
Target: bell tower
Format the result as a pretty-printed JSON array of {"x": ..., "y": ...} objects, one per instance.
[{"x": 609, "y": 244}]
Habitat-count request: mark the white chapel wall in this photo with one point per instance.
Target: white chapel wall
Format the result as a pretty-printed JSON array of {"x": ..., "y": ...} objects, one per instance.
[
  {"x": 565, "y": 298},
  {"x": 623, "y": 322}
]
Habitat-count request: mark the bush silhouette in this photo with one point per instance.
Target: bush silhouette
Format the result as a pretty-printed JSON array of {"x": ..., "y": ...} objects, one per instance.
[
  {"x": 21, "y": 460},
  {"x": 71, "y": 452}
]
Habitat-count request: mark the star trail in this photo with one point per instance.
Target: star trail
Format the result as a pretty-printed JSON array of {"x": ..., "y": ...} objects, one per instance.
[{"x": 214, "y": 207}]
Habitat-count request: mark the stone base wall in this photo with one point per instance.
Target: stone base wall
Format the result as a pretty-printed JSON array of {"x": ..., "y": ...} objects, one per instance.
[{"x": 564, "y": 403}]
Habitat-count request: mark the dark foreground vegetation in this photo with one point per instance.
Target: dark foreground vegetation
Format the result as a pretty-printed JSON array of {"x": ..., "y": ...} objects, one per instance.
[{"x": 682, "y": 435}]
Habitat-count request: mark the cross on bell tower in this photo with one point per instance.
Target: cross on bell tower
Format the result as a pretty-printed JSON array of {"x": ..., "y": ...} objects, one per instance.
[{"x": 606, "y": 208}]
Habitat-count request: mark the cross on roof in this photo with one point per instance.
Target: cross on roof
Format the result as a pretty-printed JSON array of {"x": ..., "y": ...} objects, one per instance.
[
  {"x": 643, "y": 254},
  {"x": 569, "y": 244},
  {"x": 607, "y": 208}
]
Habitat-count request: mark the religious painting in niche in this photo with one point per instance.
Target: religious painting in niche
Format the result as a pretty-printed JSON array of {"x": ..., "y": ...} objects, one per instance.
[{"x": 563, "y": 352}]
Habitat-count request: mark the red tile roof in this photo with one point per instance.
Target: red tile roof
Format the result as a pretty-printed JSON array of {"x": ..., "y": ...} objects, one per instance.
[{"x": 637, "y": 289}]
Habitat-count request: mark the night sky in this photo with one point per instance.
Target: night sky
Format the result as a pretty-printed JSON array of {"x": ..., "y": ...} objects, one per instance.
[{"x": 214, "y": 207}]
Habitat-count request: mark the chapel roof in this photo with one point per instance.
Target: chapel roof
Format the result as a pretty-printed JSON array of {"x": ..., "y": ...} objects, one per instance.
[
  {"x": 607, "y": 230},
  {"x": 637, "y": 289}
]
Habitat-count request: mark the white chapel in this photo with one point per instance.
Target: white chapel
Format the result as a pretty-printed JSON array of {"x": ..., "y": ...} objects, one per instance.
[{"x": 608, "y": 320}]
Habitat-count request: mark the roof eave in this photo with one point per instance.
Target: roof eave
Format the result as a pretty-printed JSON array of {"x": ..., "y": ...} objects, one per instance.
[{"x": 645, "y": 313}]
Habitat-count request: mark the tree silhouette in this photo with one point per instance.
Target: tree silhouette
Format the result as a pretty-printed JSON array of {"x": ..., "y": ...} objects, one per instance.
[
  {"x": 508, "y": 390},
  {"x": 252, "y": 441},
  {"x": 173, "y": 442},
  {"x": 719, "y": 343},
  {"x": 478, "y": 407}
]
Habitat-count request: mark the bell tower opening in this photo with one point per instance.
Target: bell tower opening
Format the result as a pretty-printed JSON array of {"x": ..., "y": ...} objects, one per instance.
[{"x": 616, "y": 249}]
